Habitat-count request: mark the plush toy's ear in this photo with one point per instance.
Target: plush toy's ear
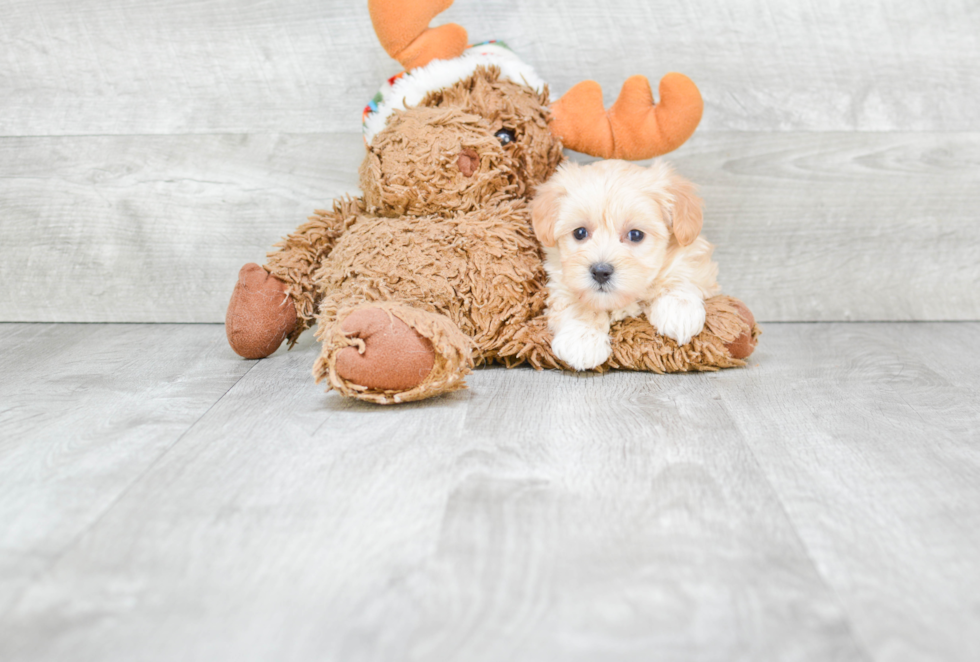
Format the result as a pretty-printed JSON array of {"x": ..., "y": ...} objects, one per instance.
[
  {"x": 544, "y": 210},
  {"x": 686, "y": 210}
]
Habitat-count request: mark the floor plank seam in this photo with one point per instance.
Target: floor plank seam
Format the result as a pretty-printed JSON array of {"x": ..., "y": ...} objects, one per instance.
[
  {"x": 81, "y": 534},
  {"x": 858, "y": 640}
]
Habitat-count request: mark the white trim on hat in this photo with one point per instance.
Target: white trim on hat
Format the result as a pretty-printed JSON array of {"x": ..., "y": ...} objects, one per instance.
[{"x": 413, "y": 86}]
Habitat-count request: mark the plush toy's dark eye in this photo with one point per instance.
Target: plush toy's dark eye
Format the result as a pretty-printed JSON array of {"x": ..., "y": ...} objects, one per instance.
[
  {"x": 636, "y": 236},
  {"x": 505, "y": 136},
  {"x": 580, "y": 233}
]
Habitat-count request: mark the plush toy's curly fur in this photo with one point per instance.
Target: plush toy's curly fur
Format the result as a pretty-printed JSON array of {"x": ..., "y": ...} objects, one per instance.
[{"x": 453, "y": 256}]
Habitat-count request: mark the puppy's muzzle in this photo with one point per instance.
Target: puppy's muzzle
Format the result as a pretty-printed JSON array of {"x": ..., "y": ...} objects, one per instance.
[{"x": 601, "y": 272}]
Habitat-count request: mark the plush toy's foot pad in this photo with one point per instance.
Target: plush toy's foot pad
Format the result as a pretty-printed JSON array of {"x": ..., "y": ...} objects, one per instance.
[
  {"x": 391, "y": 355},
  {"x": 743, "y": 346},
  {"x": 389, "y": 352},
  {"x": 260, "y": 314}
]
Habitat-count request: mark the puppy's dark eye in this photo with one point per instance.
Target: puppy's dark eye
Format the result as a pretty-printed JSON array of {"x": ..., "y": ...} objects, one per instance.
[
  {"x": 505, "y": 136},
  {"x": 580, "y": 234},
  {"x": 636, "y": 236}
]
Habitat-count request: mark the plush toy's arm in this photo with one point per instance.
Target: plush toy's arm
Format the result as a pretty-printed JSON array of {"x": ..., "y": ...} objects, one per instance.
[
  {"x": 279, "y": 301},
  {"x": 300, "y": 255}
]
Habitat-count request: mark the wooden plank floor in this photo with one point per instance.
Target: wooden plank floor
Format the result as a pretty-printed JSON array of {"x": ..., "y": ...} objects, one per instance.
[{"x": 161, "y": 499}]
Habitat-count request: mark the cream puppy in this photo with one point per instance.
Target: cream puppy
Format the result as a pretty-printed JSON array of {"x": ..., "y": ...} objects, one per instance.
[{"x": 620, "y": 241}]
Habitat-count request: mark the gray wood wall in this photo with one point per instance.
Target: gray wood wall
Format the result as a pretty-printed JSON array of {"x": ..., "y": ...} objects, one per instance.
[{"x": 148, "y": 149}]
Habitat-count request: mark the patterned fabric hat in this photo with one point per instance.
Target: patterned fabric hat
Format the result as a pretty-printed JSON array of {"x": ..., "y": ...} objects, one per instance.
[{"x": 409, "y": 87}]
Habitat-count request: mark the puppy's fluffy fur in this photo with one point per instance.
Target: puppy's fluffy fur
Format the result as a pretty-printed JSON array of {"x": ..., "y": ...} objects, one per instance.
[{"x": 620, "y": 241}]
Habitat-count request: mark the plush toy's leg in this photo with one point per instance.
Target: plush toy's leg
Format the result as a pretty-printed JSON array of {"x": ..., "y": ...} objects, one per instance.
[
  {"x": 729, "y": 337},
  {"x": 279, "y": 301},
  {"x": 387, "y": 352},
  {"x": 743, "y": 346}
]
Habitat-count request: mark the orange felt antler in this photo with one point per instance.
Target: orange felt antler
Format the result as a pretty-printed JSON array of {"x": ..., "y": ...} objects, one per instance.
[
  {"x": 403, "y": 29},
  {"x": 634, "y": 128}
]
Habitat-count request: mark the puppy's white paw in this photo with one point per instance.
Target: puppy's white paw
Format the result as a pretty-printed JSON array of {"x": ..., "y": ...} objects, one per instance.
[
  {"x": 678, "y": 316},
  {"x": 580, "y": 346}
]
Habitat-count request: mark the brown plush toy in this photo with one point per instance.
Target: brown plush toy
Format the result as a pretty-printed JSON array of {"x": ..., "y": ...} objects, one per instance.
[{"x": 435, "y": 268}]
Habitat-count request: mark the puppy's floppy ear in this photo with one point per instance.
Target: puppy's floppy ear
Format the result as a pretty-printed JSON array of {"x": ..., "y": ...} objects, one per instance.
[
  {"x": 686, "y": 213},
  {"x": 544, "y": 210}
]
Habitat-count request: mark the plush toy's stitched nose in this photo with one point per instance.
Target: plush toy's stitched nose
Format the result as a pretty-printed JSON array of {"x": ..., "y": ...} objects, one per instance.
[
  {"x": 468, "y": 162},
  {"x": 601, "y": 272}
]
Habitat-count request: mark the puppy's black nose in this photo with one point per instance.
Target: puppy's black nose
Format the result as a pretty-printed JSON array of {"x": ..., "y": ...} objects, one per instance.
[{"x": 601, "y": 272}]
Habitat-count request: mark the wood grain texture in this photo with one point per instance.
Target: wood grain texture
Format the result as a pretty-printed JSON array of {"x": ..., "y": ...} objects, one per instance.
[
  {"x": 84, "y": 411},
  {"x": 138, "y": 66},
  {"x": 616, "y": 519},
  {"x": 821, "y": 504},
  {"x": 809, "y": 227},
  {"x": 152, "y": 228},
  {"x": 538, "y": 516},
  {"x": 869, "y": 435},
  {"x": 844, "y": 226}
]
